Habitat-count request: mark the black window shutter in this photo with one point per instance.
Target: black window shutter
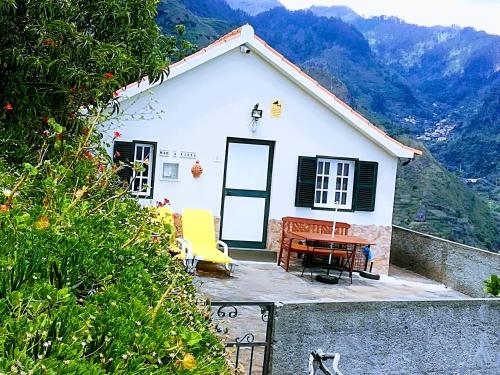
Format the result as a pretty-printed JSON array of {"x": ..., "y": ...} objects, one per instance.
[
  {"x": 306, "y": 180},
  {"x": 365, "y": 185},
  {"x": 124, "y": 152}
]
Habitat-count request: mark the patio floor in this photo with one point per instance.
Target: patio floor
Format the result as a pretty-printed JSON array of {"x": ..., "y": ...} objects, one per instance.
[
  {"x": 266, "y": 282},
  {"x": 260, "y": 281}
]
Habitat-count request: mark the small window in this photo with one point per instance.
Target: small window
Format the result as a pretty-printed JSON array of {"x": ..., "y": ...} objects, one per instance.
[
  {"x": 142, "y": 181},
  {"x": 170, "y": 171},
  {"x": 334, "y": 183}
]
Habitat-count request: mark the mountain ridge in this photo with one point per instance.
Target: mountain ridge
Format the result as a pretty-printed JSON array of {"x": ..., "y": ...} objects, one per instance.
[{"x": 341, "y": 58}]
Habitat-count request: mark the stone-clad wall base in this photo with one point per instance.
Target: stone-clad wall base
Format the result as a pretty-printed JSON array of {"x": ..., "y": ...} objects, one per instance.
[
  {"x": 379, "y": 235},
  {"x": 381, "y": 250}
]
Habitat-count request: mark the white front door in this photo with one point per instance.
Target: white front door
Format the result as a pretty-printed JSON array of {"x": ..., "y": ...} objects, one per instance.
[{"x": 246, "y": 192}]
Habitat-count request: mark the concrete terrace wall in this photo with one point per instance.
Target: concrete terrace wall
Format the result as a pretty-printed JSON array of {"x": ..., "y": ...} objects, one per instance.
[
  {"x": 404, "y": 338},
  {"x": 460, "y": 267}
]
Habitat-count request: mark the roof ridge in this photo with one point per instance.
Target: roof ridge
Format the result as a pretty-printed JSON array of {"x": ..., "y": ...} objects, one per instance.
[{"x": 247, "y": 31}]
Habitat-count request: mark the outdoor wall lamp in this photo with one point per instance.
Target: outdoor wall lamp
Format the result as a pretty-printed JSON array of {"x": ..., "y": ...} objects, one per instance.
[
  {"x": 256, "y": 116},
  {"x": 256, "y": 112}
]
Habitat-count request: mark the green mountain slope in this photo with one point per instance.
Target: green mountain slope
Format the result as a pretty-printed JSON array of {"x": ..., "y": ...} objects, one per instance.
[
  {"x": 254, "y": 7},
  {"x": 432, "y": 200},
  {"x": 343, "y": 60},
  {"x": 199, "y": 30}
]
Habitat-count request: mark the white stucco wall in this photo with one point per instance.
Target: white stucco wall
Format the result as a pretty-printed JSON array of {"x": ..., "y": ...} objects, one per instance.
[{"x": 198, "y": 110}]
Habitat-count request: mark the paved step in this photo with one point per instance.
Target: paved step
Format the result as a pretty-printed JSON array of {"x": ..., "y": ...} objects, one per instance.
[{"x": 253, "y": 255}]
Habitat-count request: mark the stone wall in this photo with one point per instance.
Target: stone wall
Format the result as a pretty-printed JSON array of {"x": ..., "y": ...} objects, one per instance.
[
  {"x": 381, "y": 237},
  {"x": 460, "y": 267},
  {"x": 390, "y": 337}
]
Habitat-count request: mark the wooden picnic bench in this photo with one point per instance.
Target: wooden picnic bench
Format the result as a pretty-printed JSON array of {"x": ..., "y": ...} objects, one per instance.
[{"x": 291, "y": 224}]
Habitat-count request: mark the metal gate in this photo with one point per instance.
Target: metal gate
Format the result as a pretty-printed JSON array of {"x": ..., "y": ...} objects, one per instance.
[{"x": 246, "y": 329}]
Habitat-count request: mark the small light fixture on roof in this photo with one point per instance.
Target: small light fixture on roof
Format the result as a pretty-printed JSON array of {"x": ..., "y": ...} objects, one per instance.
[
  {"x": 245, "y": 49},
  {"x": 256, "y": 116}
]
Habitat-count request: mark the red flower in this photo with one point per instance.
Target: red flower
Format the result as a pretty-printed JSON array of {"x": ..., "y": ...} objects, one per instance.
[
  {"x": 108, "y": 75},
  {"x": 117, "y": 134},
  {"x": 8, "y": 107},
  {"x": 100, "y": 167},
  {"x": 159, "y": 204},
  {"x": 166, "y": 201},
  {"x": 48, "y": 42},
  {"x": 89, "y": 155}
]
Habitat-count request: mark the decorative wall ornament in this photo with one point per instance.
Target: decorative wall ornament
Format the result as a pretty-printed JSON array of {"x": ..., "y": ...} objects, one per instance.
[
  {"x": 276, "y": 108},
  {"x": 197, "y": 169}
]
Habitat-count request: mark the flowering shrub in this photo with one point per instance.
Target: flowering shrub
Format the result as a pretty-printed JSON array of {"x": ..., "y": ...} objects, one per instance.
[{"x": 86, "y": 282}]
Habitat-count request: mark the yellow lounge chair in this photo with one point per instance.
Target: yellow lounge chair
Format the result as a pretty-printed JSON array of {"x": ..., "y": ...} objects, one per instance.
[{"x": 198, "y": 241}]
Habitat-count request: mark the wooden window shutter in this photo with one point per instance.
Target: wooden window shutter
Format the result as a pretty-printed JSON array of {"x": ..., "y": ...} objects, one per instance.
[
  {"x": 124, "y": 152},
  {"x": 365, "y": 185},
  {"x": 306, "y": 181}
]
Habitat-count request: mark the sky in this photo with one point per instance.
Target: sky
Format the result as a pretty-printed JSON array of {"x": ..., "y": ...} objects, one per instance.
[{"x": 480, "y": 14}]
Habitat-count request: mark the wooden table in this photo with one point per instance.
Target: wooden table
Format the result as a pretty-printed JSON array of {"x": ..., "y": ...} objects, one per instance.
[{"x": 339, "y": 239}]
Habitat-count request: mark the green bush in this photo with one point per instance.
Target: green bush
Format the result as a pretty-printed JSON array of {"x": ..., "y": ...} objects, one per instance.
[
  {"x": 84, "y": 284},
  {"x": 492, "y": 286},
  {"x": 87, "y": 285}
]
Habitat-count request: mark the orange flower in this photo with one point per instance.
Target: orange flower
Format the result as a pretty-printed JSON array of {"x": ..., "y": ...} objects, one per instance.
[
  {"x": 108, "y": 75},
  {"x": 4, "y": 208},
  {"x": 8, "y": 107}
]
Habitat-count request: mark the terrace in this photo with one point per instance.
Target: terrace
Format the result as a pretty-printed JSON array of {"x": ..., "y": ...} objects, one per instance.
[
  {"x": 433, "y": 321},
  {"x": 265, "y": 281}
]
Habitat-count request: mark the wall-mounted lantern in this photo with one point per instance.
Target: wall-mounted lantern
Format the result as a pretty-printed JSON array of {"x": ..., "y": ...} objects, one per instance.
[{"x": 256, "y": 116}]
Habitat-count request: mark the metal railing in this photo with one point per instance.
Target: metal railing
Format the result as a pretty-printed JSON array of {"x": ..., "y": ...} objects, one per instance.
[{"x": 247, "y": 342}]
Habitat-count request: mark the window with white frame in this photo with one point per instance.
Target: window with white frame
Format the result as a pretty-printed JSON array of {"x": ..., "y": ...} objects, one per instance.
[
  {"x": 142, "y": 179},
  {"x": 334, "y": 183}
]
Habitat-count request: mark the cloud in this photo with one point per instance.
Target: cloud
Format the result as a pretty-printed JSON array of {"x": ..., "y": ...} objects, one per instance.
[{"x": 480, "y": 14}]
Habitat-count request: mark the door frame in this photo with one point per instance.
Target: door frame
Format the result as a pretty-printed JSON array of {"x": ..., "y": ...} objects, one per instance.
[{"x": 249, "y": 193}]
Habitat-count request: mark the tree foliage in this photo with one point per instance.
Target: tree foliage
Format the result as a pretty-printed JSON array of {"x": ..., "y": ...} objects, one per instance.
[
  {"x": 59, "y": 57},
  {"x": 87, "y": 284}
]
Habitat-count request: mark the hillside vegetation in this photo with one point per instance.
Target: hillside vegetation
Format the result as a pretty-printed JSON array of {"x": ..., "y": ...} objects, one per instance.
[
  {"x": 87, "y": 282},
  {"x": 362, "y": 63}
]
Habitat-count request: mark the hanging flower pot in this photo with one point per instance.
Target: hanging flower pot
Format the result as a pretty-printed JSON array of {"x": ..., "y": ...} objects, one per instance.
[{"x": 197, "y": 169}]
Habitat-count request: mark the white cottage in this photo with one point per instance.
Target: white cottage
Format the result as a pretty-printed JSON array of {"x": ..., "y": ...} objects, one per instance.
[{"x": 271, "y": 141}]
